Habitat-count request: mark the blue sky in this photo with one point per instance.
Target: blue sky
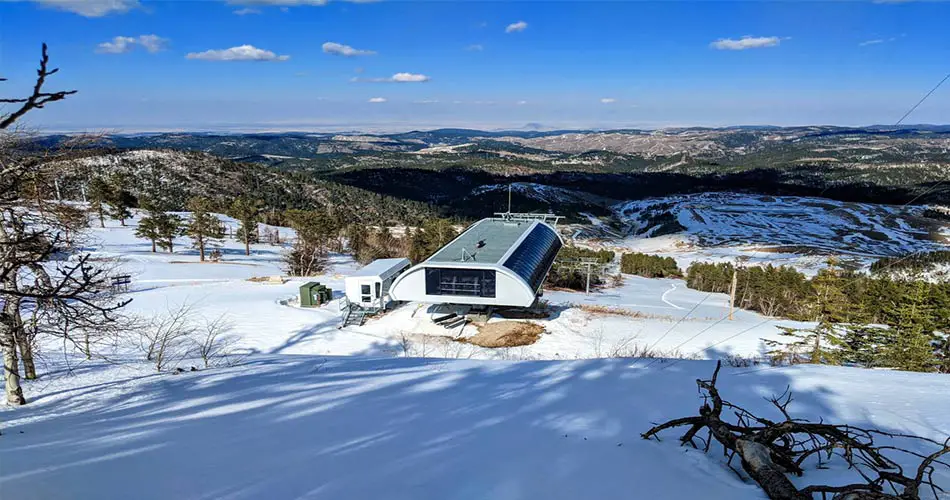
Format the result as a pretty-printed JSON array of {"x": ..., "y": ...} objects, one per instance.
[{"x": 393, "y": 65}]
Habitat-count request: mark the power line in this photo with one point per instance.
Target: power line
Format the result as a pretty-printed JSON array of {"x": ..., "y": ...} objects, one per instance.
[
  {"x": 921, "y": 101},
  {"x": 911, "y": 110},
  {"x": 921, "y": 195}
]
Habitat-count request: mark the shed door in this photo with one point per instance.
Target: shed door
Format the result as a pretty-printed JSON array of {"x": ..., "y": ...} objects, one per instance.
[{"x": 379, "y": 287}]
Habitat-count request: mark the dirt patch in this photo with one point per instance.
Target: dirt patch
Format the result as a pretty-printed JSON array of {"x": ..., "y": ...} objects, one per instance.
[
  {"x": 276, "y": 280},
  {"x": 505, "y": 334},
  {"x": 523, "y": 313},
  {"x": 220, "y": 262},
  {"x": 799, "y": 249},
  {"x": 616, "y": 311}
]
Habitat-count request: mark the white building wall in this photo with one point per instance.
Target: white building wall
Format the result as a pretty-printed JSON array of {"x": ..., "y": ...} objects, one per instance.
[{"x": 510, "y": 289}]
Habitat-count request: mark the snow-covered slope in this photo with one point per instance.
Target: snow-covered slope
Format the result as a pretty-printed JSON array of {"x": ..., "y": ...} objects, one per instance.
[
  {"x": 716, "y": 219},
  {"x": 316, "y": 411},
  {"x": 661, "y": 314},
  {"x": 294, "y": 427}
]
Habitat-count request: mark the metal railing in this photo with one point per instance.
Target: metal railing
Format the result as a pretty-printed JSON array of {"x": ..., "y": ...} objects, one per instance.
[{"x": 456, "y": 288}]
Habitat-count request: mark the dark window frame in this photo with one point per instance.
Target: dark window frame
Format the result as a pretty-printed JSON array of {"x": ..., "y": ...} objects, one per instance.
[{"x": 460, "y": 282}]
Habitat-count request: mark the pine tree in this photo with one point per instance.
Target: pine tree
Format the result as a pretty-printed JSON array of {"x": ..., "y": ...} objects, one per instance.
[
  {"x": 418, "y": 246},
  {"x": 357, "y": 241},
  {"x": 160, "y": 228},
  {"x": 246, "y": 211},
  {"x": 120, "y": 205},
  {"x": 864, "y": 344},
  {"x": 99, "y": 194},
  {"x": 148, "y": 229},
  {"x": 204, "y": 227},
  {"x": 831, "y": 307},
  {"x": 168, "y": 227},
  {"x": 912, "y": 344},
  {"x": 384, "y": 244}
]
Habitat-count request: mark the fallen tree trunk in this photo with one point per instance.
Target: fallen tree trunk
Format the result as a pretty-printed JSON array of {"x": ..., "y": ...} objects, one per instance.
[{"x": 769, "y": 451}]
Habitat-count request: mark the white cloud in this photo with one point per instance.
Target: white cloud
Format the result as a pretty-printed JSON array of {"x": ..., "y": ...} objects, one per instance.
[
  {"x": 608, "y": 100},
  {"x": 291, "y": 3},
  {"x": 241, "y": 53},
  {"x": 339, "y": 49},
  {"x": 153, "y": 43},
  {"x": 377, "y": 99},
  {"x": 475, "y": 47},
  {"x": 118, "y": 45},
  {"x": 522, "y": 103},
  {"x": 877, "y": 41},
  {"x": 516, "y": 27},
  {"x": 279, "y": 3},
  {"x": 397, "y": 78},
  {"x": 409, "y": 77},
  {"x": 426, "y": 101},
  {"x": 246, "y": 11},
  {"x": 746, "y": 42},
  {"x": 123, "y": 44},
  {"x": 92, "y": 8}
]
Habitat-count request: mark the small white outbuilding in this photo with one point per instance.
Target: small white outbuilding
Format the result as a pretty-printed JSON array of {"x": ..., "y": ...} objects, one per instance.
[{"x": 369, "y": 286}]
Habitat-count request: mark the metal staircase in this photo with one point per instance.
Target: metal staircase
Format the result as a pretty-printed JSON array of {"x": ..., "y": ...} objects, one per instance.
[{"x": 354, "y": 316}]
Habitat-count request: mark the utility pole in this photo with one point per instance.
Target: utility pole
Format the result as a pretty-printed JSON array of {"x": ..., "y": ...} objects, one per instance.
[
  {"x": 732, "y": 292},
  {"x": 509, "y": 197},
  {"x": 589, "y": 265}
]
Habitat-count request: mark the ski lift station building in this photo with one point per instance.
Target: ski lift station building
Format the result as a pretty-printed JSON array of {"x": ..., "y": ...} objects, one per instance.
[
  {"x": 497, "y": 262},
  {"x": 368, "y": 286}
]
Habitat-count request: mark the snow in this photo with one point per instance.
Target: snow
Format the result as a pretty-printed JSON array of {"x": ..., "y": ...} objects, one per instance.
[
  {"x": 671, "y": 318},
  {"x": 859, "y": 229},
  {"x": 348, "y": 427},
  {"x": 315, "y": 411}
]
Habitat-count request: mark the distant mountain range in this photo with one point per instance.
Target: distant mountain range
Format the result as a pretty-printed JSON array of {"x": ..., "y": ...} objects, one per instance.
[
  {"x": 695, "y": 141},
  {"x": 448, "y": 168}
]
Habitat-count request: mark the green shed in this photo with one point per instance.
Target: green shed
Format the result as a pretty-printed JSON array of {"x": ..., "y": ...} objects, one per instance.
[{"x": 307, "y": 296}]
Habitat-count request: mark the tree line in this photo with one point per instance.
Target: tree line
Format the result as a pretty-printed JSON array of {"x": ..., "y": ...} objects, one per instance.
[
  {"x": 868, "y": 320},
  {"x": 649, "y": 266},
  {"x": 913, "y": 263}
]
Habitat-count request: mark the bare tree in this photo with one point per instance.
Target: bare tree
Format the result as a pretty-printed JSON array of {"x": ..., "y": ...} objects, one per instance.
[
  {"x": 164, "y": 341},
  {"x": 70, "y": 295},
  {"x": 38, "y": 99},
  {"x": 405, "y": 342},
  {"x": 213, "y": 342}
]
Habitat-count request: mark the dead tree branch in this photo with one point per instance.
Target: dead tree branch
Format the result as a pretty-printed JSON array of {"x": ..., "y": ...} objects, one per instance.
[
  {"x": 771, "y": 450},
  {"x": 38, "y": 98}
]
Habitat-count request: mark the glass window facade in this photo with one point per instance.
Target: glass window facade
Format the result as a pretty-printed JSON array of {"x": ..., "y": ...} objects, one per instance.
[{"x": 464, "y": 282}]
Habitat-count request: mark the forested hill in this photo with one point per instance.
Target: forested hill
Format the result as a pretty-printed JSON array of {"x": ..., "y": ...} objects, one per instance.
[
  {"x": 454, "y": 172},
  {"x": 872, "y": 164},
  {"x": 175, "y": 176}
]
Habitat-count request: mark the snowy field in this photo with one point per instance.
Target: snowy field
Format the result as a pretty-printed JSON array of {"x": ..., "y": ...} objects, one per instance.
[
  {"x": 294, "y": 427},
  {"x": 316, "y": 411},
  {"x": 661, "y": 314}
]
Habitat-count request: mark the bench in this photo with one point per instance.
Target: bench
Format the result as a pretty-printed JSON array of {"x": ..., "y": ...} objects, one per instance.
[{"x": 121, "y": 281}]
